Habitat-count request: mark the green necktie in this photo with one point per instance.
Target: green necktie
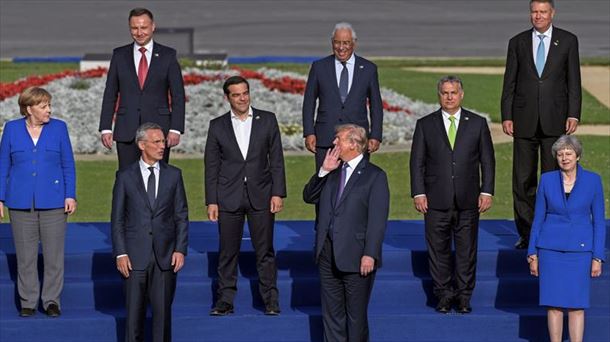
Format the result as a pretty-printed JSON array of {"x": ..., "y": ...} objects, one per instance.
[{"x": 452, "y": 131}]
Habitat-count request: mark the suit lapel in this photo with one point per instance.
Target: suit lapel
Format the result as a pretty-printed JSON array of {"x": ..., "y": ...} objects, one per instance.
[
  {"x": 353, "y": 179},
  {"x": 332, "y": 70},
  {"x": 163, "y": 183},
  {"x": 529, "y": 53},
  {"x": 136, "y": 176},
  {"x": 154, "y": 63},
  {"x": 550, "y": 59},
  {"x": 462, "y": 127},
  {"x": 230, "y": 133},
  {"x": 129, "y": 61},
  {"x": 356, "y": 76},
  {"x": 254, "y": 131},
  {"x": 440, "y": 126}
]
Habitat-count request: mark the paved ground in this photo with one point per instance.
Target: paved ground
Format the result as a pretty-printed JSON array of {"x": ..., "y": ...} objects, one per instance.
[{"x": 448, "y": 28}]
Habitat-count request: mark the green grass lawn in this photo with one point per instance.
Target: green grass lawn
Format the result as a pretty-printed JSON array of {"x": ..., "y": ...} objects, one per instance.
[{"x": 95, "y": 179}]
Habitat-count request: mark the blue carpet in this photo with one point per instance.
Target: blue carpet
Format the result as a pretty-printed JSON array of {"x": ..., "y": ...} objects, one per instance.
[{"x": 504, "y": 301}]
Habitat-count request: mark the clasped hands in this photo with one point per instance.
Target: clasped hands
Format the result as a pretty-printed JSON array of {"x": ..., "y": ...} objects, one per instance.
[{"x": 123, "y": 264}]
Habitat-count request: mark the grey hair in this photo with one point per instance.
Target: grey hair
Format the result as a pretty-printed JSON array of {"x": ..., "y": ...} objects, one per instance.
[
  {"x": 141, "y": 131},
  {"x": 569, "y": 142},
  {"x": 357, "y": 135},
  {"x": 344, "y": 26},
  {"x": 449, "y": 79}
]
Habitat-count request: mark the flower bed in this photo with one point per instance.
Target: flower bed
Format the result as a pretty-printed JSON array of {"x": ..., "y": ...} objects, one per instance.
[{"x": 77, "y": 99}]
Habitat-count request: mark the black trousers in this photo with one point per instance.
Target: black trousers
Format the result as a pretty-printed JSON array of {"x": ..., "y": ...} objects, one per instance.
[
  {"x": 231, "y": 229},
  {"x": 129, "y": 152},
  {"x": 345, "y": 300},
  {"x": 156, "y": 287},
  {"x": 526, "y": 152},
  {"x": 444, "y": 228}
]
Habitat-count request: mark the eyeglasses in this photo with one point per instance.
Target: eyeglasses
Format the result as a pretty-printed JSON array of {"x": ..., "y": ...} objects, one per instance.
[{"x": 342, "y": 43}]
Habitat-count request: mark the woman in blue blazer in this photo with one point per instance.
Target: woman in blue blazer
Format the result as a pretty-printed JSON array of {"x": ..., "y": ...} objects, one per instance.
[
  {"x": 38, "y": 185},
  {"x": 566, "y": 246}
]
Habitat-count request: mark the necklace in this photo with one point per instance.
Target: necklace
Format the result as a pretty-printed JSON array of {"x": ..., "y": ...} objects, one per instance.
[{"x": 32, "y": 126}]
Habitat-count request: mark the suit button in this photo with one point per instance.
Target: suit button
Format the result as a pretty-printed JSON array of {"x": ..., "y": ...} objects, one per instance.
[
  {"x": 340, "y": 120},
  {"x": 342, "y": 107},
  {"x": 539, "y": 82},
  {"x": 34, "y": 150},
  {"x": 34, "y": 161},
  {"x": 452, "y": 177},
  {"x": 34, "y": 174},
  {"x": 150, "y": 233}
]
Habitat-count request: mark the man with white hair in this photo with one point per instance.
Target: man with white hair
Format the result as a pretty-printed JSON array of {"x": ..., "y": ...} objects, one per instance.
[{"x": 342, "y": 86}]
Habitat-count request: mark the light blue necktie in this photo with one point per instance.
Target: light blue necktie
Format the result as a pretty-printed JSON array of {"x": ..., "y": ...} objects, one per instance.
[{"x": 540, "y": 56}]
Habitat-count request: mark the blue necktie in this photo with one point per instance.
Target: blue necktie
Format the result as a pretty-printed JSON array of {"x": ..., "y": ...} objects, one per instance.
[
  {"x": 343, "y": 83},
  {"x": 540, "y": 56},
  {"x": 342, "y": 181}
]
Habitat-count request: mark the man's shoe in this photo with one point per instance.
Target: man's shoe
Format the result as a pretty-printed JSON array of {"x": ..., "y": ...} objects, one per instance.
[
  {"x": 464, "y": 306},
  {"x": 26, "y": 312},
  {"x": 444, "y": 305},
  {"x": 53, "y": 310},
  {"x": 272, "y": 309},
  {"x": 221, "y": 309},
  {"x": 522, "y": 243}
]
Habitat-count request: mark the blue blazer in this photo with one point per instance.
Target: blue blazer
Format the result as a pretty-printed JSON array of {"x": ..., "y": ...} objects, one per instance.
[
  {"x": 358, "y": 219},
  {"x": 573, "y": 225},
  {"x": 363, "y": 100},
  {"x": 41, "y": 175}
]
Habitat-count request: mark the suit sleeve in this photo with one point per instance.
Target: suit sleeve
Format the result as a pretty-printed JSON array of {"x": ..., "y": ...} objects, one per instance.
[
  {"x": 309, "y": 101},
  {"x": 488, "y": 160},
  {"x": 176, "y": 88},
  {"x": 313, "y": 189},
  {"x": 599, "y": 222},
  {"x": 539, "y": 217},
  {"x": 181, "y": 219},
  {"x": 510, "y": 81},
  {"x": 574, "y": 83},
  {"x": 378, "y": 206},
  {"x": 67, "y": 163},
  {"x": 417, "y": 161},
  {"x": 276, "y": 161},
  {"x": 117, "y": 216},
  {"x": 375, "y": 107},
  {"x": 5, "y": 160},
  {"x": 211, "y": 160},
  {"x": 111, "y": 93}
]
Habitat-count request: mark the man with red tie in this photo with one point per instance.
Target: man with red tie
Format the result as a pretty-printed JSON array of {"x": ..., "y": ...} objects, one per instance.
[{"x": 144, "y": 84}]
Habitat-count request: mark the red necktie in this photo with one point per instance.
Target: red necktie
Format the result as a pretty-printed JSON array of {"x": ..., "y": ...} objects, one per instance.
[{"x": 142, "y": 68}]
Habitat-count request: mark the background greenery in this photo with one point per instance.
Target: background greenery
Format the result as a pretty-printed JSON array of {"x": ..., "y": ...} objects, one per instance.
[{"x": 95, "y": 178}]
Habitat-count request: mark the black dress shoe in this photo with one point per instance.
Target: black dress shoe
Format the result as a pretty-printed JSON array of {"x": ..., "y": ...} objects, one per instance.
[
  {"x": 522, "y": 243},
  {"x": 464, "y": 306},
  {"x": 444, "y": 305},
  {"x": 53, "y": 310},
  {"x": 221, "y": 309},
  {"x": 26, "y": 312},
  {"x": 272, "y": 309}
]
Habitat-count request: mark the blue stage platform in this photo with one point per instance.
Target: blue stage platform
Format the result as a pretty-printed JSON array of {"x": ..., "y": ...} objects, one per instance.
[{"x": 504, "y": 302}]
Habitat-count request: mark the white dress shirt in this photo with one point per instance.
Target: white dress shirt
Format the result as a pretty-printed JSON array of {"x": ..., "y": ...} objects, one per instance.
[
  {"x": 536, "y": 42},
  {"x": 137, "y": 55},
  {"x": 350, "y": 71},
  {"x": 146, "y": 173},
  {"x": 242, "y": 130}
]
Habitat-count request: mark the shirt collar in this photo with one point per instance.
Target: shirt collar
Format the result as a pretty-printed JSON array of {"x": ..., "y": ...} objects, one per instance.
[
  {"x": 144, "y": 166},
  {"x": 457, "y": 115},
  {"x": 350, "y": 61},
  {"x": 149, "y": 46},
  {"x": 354, "y": 162},
  {"x": 548, "y": 33},
  {"x": 235, "y": 117}
]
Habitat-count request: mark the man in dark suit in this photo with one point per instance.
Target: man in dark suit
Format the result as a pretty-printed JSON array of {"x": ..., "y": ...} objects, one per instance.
[
  {"x": 452, "y": 183},
  {"x": 145, "y": 78},
  {"x": 244, "y": 176},
  {"x": 149, "y": 234},
  {"x": 541, "y": 100},
  {"x": 354, "y": 199},
  {"x": 346, "y": 89}
]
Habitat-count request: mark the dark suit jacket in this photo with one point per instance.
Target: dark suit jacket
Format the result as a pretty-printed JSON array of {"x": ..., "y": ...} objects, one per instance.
[
  {"x": 358, "y": 220},
  {"x": 225, "y": 167},
  {"x": 550, "y": 99},
  {"x": 573, "y": 225},
  {"x": 442, "y": 173},
  {"x": 151, "y": 104},
  {"x": 322, "y": 87},
  {"x": 139, "y": 230}
]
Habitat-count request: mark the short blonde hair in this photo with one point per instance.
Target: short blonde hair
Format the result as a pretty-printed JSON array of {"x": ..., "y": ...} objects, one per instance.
[
  {"x": 32, "y": 96},
  {"x": 356, "y": 134}
]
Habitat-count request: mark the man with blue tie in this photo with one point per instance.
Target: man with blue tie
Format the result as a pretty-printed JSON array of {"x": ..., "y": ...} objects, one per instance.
[
  {"x": 354, "y": 199},
  {"x": 452, "y": 183},
  {"x": 541, "y": 100},
  {"x": 144, "y": 84},
  {"x": 345, "y": 88}
]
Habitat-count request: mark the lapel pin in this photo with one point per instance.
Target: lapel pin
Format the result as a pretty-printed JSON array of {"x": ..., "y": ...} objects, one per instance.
[
  {"x": 359, "y": 172},
  {"x": 257, "y": 117},
  {"x": 466, "y": 118},
  {"x": 556, "y": 42},
  {"x": 156, "y": 55},
  {"x": 361, "y": 66},
  {"x": 56, "y": 181}
]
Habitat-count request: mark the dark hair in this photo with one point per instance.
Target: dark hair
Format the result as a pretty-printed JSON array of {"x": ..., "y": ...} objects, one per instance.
[
  {"x": 234, "y": 80},
  {"x": 136, "y": 12},
  {"x": 550, "y": 2},
  {"x": 449, "y": 79}
]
